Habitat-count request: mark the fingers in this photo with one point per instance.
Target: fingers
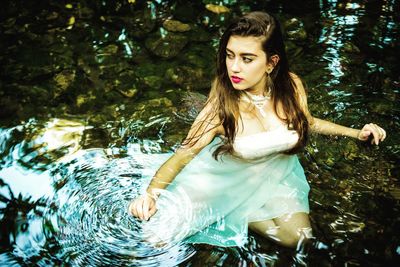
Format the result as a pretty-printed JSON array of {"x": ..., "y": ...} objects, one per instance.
[
  {"x": 135, "y": 208},
  {"x": 146, "y": 205},
  {"x": 375, "y": 134},
  {"x": 378, "y": 133},
  {"x": 365, "y": 134},
  {"x": 152, "y": 210},
  {"x": 143, "y": 207}
]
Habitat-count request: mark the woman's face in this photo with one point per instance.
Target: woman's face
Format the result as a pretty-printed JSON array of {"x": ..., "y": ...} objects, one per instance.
[{"x": 246, "y": 63}]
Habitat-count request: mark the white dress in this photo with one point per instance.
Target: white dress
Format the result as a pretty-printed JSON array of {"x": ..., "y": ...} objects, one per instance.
[{"x": 213, "y": 201}]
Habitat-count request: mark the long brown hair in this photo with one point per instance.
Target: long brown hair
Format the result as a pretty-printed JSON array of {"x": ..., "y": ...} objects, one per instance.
[{"x": 225, "y": 98}]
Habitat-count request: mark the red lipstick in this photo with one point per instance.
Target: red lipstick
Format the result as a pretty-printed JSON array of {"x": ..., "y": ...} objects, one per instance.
[{"x": 236, "y": 79}]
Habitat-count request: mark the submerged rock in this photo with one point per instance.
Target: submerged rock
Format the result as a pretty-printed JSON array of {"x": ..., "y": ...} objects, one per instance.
[
  {"x": 9, "y": 107},
  {"x": 190, "y": 105},
  {"x": 151, "y": 116},
  {"x": 142, "y": 23},
  {"x": 153, "y": 107},
  {"x": 153, "y": 81},
  {"x": 85, "y": 102},
  {"x": 63, "y": 80},
  {"x": 218, "y": 9},
  {"x": 128, "y": 92},
  {"x": 165, "y": 44},
  {"x": 295, "y": 30},
  {"x": 199, "y": 34},
  {"x": 154, "y": 103},
  {"x": 176, "y": 26},
  {"x": 188, "y": 78}
]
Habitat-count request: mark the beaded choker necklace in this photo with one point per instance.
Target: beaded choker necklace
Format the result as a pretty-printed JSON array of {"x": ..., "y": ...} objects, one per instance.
[{"x": 258, "y": 101}]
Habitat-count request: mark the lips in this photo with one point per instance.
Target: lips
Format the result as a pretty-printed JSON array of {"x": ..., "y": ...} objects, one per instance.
[{"x": 236, "y": 79}]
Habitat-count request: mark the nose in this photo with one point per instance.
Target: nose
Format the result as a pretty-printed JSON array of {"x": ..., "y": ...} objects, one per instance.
[{"x": 235, "y": 66}]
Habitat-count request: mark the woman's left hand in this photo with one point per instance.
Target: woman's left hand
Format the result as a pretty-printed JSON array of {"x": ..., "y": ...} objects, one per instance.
[{"x": 371, "y": 129}]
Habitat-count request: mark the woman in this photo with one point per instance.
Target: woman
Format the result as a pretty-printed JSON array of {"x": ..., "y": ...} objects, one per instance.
[{"x": 241, "y": 169}]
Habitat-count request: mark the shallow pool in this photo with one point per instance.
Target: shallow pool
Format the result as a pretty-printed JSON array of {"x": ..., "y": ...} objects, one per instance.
[{"x": 88, "y": 89}]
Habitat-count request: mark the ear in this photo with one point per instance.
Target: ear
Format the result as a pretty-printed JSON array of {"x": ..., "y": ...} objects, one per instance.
[{"x": 273, "y": 60}]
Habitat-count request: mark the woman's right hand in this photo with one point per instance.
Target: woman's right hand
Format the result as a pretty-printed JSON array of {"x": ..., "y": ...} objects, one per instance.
[{"x": 143, "y": 207}]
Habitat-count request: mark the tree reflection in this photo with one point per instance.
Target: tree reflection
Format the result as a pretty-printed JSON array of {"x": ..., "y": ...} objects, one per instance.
[
  {"x": 15, "y": 213},
  {"x": 18, "y": 213}
]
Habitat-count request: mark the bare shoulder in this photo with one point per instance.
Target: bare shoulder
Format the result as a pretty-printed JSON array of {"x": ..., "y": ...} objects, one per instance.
[
  {"x": 205, "y": 127},
  {"x": 208, "y": 113}
]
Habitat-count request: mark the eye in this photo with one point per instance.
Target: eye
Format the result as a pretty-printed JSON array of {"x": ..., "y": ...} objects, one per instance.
[
  {"x": 247, "y": 59},
  {"x": 230, "y": 56}
]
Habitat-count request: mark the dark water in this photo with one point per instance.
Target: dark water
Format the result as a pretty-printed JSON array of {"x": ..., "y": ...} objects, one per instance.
[{"x": 88, "y": 87}]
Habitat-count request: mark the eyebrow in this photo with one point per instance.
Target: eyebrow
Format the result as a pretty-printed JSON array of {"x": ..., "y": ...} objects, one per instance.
[{"x": 242, "y": 54}]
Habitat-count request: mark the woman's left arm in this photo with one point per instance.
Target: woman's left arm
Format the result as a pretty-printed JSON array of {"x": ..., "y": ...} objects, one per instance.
[{"x": 372, "y": 130}]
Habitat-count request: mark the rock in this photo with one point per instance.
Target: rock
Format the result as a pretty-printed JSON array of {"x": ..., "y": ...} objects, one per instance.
[
  {"x": 52, "y": 16},
  {"x": 217, "y": 9},
  {"x": 85, "y": 13},
  {"x": 63, "y": 80},
  {"x": 110, "y": 49},
  {"x": 166, "y": 45},
  {"x": 107, "y": 55},
  {"x": 190, "y": 105},
  {"x": 136, "y": 51},
  {"x": 187, "y": 12},
  {"x": 24, "y": 98},
  {"x": 85, "y": 102},
  {"x": 129, "y": 93},
  {"x": 30, "y": 62},
  {"x": 199, "y": 34},
  {"x": 154, "y": 82},
  {"x": 125, "y": 83},
  {"x": 9, "y": 107},
  {"x": 351, "y": 150},
  {"x": 108, "y": 113},
  {"x": 176, "y": 26},
  {"x": 142, "y": 23},
  {"x": 153, "y": 107},
  {"x": 188, "y": 77},
  {"x": 295, "y": 31},
  {"x": 151, "y": 116},
  {"x": 200, "y": 56},
  {"x": 157, "y": 102}
]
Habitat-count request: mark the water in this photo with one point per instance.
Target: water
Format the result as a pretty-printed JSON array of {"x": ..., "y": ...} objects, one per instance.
[{"x": 82, "y": 98}]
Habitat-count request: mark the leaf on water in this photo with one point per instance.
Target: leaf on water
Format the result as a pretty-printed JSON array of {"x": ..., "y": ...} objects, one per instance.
[
  {"x": 218, "y": 9},
  {"x": 69, "y": 6}
]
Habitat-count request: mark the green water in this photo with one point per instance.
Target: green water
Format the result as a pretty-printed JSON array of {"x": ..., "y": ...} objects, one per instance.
[{"x": 88, "y": 82}]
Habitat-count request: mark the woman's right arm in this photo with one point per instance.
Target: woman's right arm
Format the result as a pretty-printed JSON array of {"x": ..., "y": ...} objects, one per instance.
[{"x": 202, "y": 132}]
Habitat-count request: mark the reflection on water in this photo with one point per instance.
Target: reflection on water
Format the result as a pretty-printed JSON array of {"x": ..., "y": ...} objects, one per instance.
[
  {"x": 92, "y": 213},
  {"x": 66, "y": 178}
]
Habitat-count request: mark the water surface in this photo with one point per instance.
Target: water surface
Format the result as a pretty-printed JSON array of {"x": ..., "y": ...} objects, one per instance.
[{"x": 87, "y": 88}]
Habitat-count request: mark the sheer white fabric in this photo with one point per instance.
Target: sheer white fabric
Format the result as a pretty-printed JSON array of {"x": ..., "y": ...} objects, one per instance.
[{"x": 212, "y": 201}]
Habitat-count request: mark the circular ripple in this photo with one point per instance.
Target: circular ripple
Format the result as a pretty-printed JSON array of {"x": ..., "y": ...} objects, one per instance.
[{"x": 94, "y": 227}]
